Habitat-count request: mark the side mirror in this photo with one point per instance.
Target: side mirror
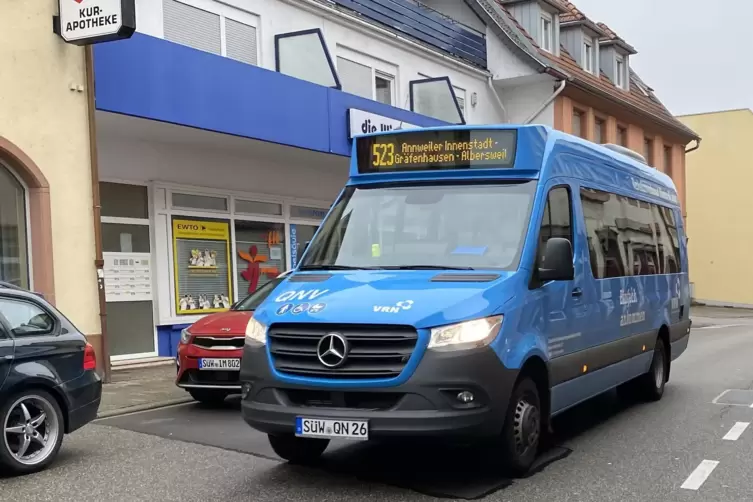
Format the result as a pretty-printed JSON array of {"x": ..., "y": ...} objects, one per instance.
[{"x": 557, "y": 263}]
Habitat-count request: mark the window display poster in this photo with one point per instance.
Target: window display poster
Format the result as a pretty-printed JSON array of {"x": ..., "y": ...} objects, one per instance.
[
  {"x": 201, "y": 259},
  {"x": 260, "y": 254}
]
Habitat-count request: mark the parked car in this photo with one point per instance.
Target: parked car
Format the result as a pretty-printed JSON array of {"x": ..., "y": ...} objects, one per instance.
[
  {"x": 48, "y": 383},
  {"x": 209, "y": 354}
]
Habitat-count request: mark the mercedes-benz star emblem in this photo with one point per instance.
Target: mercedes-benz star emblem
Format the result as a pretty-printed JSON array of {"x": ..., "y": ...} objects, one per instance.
[{"x": 332, "y": 350}]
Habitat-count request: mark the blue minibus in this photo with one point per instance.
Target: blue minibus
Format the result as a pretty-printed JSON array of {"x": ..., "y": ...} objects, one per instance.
[{"x": 471, "y": 282}]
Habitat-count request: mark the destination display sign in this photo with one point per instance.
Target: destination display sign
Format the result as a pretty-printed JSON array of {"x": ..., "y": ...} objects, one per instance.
[{"x": 432, "y": 150}]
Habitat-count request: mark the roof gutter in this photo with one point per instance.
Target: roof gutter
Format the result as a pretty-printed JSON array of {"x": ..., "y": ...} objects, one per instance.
[
  {"x": 696, "y": 147},
  {"x": 546, "y": 103}
]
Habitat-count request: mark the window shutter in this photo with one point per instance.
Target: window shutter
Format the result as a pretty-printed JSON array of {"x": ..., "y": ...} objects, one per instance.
[
  {"x": 193, "y": 27},
  {"x": 241, "y": 42}
]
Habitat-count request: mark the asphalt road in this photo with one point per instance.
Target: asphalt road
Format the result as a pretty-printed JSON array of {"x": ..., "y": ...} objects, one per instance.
[{"x": 608, "y": 450}]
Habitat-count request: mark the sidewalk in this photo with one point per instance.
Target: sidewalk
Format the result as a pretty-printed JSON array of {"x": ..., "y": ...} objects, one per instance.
[{"x": 136, "y": 389}]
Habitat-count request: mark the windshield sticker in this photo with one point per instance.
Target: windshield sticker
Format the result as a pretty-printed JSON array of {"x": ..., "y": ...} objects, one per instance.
[
  {"x": 300, "y": 308},
  {"x": 317, "y": 307},
  {"x": 306, "y": 294},
  {"x": 394, "y": 309},
  {"x": 476, "y": 251},
  {"x": 376, "y": 251},
  {"x": 284, "y": 309}
]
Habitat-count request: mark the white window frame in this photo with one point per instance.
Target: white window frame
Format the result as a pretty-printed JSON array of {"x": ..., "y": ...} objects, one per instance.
[
  {"x": 382, "y": 69},
  {"x": 230, "y": 12},
  {"x": 546, "y": 43},
  {"x": 588, "y": 55},
  {"x": 620, "y": 71}
]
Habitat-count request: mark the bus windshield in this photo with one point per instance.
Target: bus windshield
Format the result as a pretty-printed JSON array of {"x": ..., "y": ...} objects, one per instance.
[{"x": 466, "y": 226}]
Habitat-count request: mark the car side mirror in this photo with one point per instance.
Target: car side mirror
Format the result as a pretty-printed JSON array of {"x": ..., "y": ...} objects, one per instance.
[{"x": 557, "y": 262}]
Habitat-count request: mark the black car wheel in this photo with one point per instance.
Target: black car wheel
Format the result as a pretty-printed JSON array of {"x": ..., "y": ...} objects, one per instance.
[
  {"x": 522, "y": 431},
  {"x": 33, "y": 428}
]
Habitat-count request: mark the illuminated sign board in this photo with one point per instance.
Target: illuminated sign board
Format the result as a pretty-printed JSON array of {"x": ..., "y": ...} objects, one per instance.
[{"x": 432, "y": 150}]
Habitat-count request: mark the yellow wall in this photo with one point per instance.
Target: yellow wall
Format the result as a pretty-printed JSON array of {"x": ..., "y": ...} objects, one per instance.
[
  {"x": 48, "y": 121},
  {"x": 719, "y": 180}
]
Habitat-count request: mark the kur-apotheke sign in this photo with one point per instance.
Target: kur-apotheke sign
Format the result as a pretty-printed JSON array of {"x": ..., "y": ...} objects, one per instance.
[
  {"x": 362, "y": 122},
  {"x": 84, "y": 22}
]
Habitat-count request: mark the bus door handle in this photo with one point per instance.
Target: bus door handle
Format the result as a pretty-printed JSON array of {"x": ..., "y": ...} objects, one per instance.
[{"x": 577, "y": 293}]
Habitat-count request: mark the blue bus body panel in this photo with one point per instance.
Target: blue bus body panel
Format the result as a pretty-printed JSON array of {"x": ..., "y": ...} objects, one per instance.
[{"x": 547, "y": 322}]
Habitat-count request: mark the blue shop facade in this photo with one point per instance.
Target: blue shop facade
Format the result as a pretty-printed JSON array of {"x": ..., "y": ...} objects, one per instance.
[{"x": 215, "y": 172}]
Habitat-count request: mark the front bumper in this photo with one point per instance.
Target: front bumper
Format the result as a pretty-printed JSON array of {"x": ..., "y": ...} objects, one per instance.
[
  {"x": 425, "y": 405},
  {"x": 191, "y": 377}
]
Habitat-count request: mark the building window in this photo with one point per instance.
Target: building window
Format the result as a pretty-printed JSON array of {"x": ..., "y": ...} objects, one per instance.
[
  {"x": 668, "y": 160},
  {"x": 436, "y": 98},
  {"x": 577, "y": 126},
  {"x": 622, "y": 136},
  {"x": 648, "y": 150},
  {"x": 227, "y": 32},
  {"x": 620, "y": 69},
  {"x": 588, "y": 56},
  {"x": 365, "y": 81},
  {"x": 14, "y": 259},
  {"x": 600, "y": 131},
  {"x": 304, "y": 55},
  {"x": 547, "y": 32}
]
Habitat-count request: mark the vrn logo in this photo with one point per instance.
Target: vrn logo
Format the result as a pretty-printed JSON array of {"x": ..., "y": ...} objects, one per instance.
[
  {"x": 394, "y": 309},
  {"x": 306, "y": 294}
]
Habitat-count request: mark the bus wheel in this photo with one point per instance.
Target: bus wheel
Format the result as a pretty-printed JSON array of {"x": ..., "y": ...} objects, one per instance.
[
  {"x": 522, "y": 431},
  {"x": 651, "y": 385},
  {"x": 297, "y": 450}
]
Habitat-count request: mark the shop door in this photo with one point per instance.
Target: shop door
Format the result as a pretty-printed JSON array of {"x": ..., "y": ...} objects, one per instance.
[{"x": 300, "y": 235}]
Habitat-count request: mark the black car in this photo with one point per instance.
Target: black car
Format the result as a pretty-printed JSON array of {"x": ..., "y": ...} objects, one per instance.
[{"x": 48, "y": 383}]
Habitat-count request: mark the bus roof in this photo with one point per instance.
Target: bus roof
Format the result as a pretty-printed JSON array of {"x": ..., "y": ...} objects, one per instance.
[{"x": 532, "y": 150}]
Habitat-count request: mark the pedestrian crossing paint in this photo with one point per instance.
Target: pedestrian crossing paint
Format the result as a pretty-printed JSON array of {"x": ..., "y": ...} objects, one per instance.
[
  {"x": 700, "y": 475},
  {"x": 736, "y": 431}
]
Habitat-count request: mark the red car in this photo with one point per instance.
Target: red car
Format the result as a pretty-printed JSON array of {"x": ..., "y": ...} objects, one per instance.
[{"x": 209, "y": 353}]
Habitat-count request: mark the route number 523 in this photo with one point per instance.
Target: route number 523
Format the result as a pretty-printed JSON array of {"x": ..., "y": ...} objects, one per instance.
[{"x": 384, "y": 154}]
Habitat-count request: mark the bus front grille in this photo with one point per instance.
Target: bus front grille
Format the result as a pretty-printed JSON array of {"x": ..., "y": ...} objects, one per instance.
[{"x": 372, "y": 351}]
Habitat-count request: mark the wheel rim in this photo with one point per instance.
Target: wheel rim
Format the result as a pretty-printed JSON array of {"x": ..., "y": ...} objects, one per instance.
[
  {"x": 30, "y": 429},
  {"x": 526, "y": 426},
  {"x": 659, "y": 369}
]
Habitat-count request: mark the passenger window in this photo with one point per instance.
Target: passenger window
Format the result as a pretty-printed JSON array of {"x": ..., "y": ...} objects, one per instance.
[
  {"x": 557, "y": 220},
  {"x": 628, "y": 237},
  {"x": 25, "y": 318}
]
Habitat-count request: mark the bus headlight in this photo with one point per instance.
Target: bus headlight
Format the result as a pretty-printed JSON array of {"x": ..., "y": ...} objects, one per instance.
[
  {"x": 466, "y": 335},
  {"x": 256, "y": 332}
]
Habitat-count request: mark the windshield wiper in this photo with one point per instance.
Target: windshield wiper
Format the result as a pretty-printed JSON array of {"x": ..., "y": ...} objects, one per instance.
[
  {"x": 425, "y": 267},
  {"x": 335, "y": 267}
]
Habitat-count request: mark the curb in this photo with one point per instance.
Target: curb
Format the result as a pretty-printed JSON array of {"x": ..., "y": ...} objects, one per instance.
[{"x": 143, "y": 407}]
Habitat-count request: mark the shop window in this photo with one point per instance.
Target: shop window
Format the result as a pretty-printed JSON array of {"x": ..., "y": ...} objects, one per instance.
[
  {"x": 435, "y": 97},
  {"x": 310, "y": 213},
  {"x": 212, "y": 32},
  {"x": 260, "y": 254},
  {"x": 199, "y": 202},
  {"x": 304, "y": 55},
  {"x": 365, "y": 81},
  {"x": 300, "y": 235},
  {"x": 14, "y": 260},
  {"x": 256, "y": 207},
  {"x": 201, "y": 261},
  {"x": 124, "y": 201}
]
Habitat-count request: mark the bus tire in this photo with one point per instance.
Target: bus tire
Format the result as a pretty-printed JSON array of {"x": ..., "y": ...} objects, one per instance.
[
  {"x": 522, "y": 432},
  {"x": 651, "y": 385},
  {"x": 295, "y": 450}
]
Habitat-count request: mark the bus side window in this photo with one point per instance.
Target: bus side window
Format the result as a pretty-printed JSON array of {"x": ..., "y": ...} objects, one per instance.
[{"x": 557, "y": 220}]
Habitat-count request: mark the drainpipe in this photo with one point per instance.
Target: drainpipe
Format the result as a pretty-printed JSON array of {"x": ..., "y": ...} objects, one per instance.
[
  {"x": 546, "y": 103},
  {"x": 696, "y": 147},
  {"x": 99, "y": 262},
  {"x": 490, "y": 81}
]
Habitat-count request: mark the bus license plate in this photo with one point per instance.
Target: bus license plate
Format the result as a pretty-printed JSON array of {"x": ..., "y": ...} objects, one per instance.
[
  {"x": 357, "y": 430},
  {"x": 220, "y": 364}
]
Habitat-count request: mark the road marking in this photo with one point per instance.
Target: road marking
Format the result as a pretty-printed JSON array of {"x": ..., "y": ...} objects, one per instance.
[
  {"x": 700, "y": 475},
  {"x": 717, "y": 398},
  {"x": 736, "y": 431},
  {"x": 720, "y": 326}
]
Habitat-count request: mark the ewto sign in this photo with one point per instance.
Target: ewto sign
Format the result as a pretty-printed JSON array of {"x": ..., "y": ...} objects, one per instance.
[{"x": 84, "y": 22}]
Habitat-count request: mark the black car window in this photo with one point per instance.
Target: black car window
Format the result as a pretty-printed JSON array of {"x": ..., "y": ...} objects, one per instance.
[
  {"x": 252, "y": 301},
  {"x": 25, "y": 318}
]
